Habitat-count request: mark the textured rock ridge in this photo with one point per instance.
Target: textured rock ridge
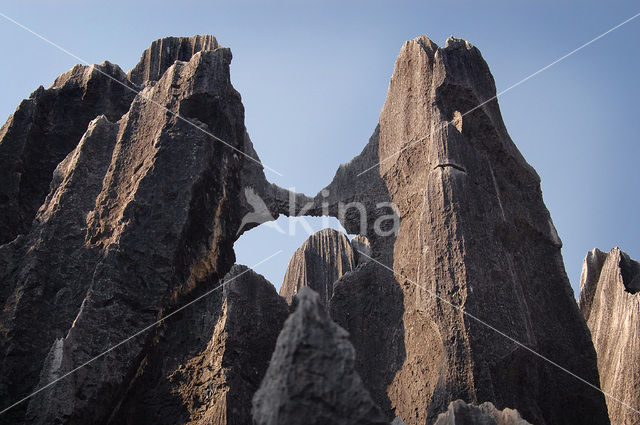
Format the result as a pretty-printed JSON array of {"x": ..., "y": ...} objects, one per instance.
[
  {"x": 164, "y": 52},
  {"x": 612, "y": 311},
  {"x": 474, "y": 230},
  {"x": 311, "y": 377},
  {"x": 39, "y": 278},
  {"x": 207, "y": 369},
  {"x": 140, "y": 219},
  {"x": 318, "y": 263},
  {"x": 461, "y": 413},
  {"x": 44, "y": 129}
]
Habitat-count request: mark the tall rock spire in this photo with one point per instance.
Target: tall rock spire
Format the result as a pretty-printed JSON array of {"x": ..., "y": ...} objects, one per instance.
[
  {"x": 611, "y": 306},
  {"x": 318, "y": 263},
  {"x": 474, "y": 232}
]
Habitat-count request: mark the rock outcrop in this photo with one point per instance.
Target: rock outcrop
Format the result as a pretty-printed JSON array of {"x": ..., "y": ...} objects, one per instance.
[
  {"x": 318, "y": 263},
  {"x": 207, "y": 369},
  {"x": 44, "y": 129},
  {"x": 311, "y": 377},
  {"x": 611, "y": 306},
  {"x": 471, "y": 229},
  {"x": 164, "y": 52},
  {"x": 361, "y": 249},
  {"x": 140, "y": 219},
  {"x": 461, "y": 413}
]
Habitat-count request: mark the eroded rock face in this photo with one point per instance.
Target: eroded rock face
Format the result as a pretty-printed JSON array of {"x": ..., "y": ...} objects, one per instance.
[
  {"x": 611, "y": 307},
  {"x": 318, "y": 263},
  {"x": 461, "y": 413},
  {"x": 44, "y": 129},
  {"x": 311, "y": 377},
  {"x": 164, "y": 52},
  {"x": 141, "y": 219},
  {"x": 207, "y": 366},
  {"x": 474, "y": 231}
]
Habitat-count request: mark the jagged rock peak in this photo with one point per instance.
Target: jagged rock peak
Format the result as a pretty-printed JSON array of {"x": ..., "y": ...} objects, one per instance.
[
  {"x": 311, "y": 378},
  {"x": 91, "y": 292},
  {"x": 473, "y": 228},
  {"x": 611, "y": 307},
  {"x": 461, "y": 413},
  {"x": 318, "y": 263},
  {"x": 45, "y": 128},
  {"x": 164, "y": 52}
]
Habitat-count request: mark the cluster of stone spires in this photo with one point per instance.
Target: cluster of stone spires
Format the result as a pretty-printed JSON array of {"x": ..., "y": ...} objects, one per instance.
[{"x": 117, "y": 211}]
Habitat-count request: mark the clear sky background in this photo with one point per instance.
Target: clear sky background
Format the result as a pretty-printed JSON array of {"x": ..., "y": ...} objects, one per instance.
[{"x": 313, "y": 76}]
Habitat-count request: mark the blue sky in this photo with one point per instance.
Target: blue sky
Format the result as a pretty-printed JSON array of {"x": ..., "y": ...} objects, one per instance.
[{"x": 313, "y": 76}]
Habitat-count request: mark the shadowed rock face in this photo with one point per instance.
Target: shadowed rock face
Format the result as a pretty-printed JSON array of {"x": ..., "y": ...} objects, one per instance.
[
  {"x": 318, "y": 263},
  {"x": 461, "y": 413},
  {"x": 475, "y": 232},
  {"x": 206, "y": 367},
  {"x": 44, "y": 129},
  {"x": 311, "y": 377},
  {"x": 141, "y": 218},
  {"x": 611, "y": 307}
]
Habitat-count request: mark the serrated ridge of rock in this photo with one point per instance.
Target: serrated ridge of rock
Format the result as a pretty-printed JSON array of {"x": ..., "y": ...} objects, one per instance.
[{"x": 164, "y": 52}]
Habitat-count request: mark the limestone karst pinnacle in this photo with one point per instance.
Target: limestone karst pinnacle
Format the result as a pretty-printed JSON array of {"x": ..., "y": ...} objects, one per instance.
[
  {"x": 611, "y": 307},
  {"x": 311, "y": 377},
  {"x": 318, "y": 263},
  {"x": 133, "y": 216}
]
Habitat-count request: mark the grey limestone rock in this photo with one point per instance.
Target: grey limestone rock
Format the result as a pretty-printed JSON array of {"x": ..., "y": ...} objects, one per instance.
[
  {"x": 44, "y": 129},
  {"x": 140, "y": 219},
  {"x": 611, "y": 307},
  {"x": 164, "y": 52},
  {"x": 206, "y": 367},
  {"x": 311, "y": 377},
  {"x": 474, "y": 231},
  {"x": 318, "y": 263}
]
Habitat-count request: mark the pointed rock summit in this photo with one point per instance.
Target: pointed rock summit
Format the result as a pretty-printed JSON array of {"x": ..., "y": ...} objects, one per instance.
[
  {"x": 311, "y": 378},
  {"x": 318, "y": 263},
  {"x": 45, "y": 128},
  {"x": 611, "y": 307},
  {"x": 472, "y": 229},
  {"x": 164, "y": 52}
]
